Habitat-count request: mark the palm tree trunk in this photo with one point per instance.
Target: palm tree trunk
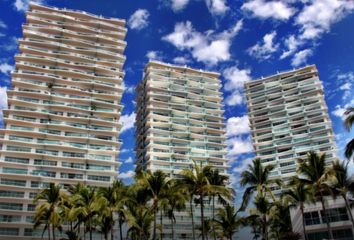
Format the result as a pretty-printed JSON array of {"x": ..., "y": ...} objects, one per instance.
[
  {"x": 112, "y": 234},
  {"x": 349, "y": 211},
  {"x": 327, "y": 221},
  {"x": 202, "y": 214},
  {"x": 53, "y": 231},
  {"x": 48, "y": 229},
  {"x": 161, "y": 230},
  {"x": 154, "y": 230},
  {"x": 303, "y": 220},
  {"x": 84, "y": 231},
  {"x": 192, "y": 216},
  {"x": 120, "y": 229},
  {"x": 90, "y": 228},
  {"x": 172, "y": 229},
  {"x": 214, "y": 233},
  {"x": 265, "y": 231}
]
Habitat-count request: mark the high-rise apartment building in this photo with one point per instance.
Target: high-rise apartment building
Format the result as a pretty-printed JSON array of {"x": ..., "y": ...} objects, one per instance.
[
  {"x": 179, "y": 120},
  {"x": 288, "y": 117},
  {"x": 64, "y": 105}
]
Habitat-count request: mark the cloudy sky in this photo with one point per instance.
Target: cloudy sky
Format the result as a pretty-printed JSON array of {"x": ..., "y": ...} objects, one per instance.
[{"x": 243, "y": 40}]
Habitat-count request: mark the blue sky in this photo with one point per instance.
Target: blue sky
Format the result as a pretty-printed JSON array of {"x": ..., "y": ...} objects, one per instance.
[{"x": 243, "y": 40}]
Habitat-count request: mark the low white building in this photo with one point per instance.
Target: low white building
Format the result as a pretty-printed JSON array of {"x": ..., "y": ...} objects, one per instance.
[{"x": 315, "y": 224}]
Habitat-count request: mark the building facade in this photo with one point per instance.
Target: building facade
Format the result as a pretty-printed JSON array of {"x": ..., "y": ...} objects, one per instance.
[
  {"x": 179, "y": 120},
  {"x": 61, "y": 124},
  {"x": 315, "y": 223},
  {"x": 289, "y": 117}
]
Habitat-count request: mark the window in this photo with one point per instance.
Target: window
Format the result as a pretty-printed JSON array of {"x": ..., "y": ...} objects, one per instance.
[
  {"x": 5, "y": 181},
  {"x": 10, "y": 206},
  {"x": 73, "y": 165},
  {"x": 335, "y": 215},
  {"x": 11, "y": 194},
  {"x": 10, "y": 218},
  {"x": 99, "y": 178},
  {"x": 14, "y": 170},
  {"x": 18, "y": 149},
  {"x": 17, "y": 160},
  {"x": 9, "y": 231},
  {"x": 44, "y": 162},
  {"x": 31, "y": 207},
  {"x": 312, "y": 218}
]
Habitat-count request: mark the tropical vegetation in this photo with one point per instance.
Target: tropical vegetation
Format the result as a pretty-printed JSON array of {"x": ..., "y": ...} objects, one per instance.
[{"x": 147, "y": 209}]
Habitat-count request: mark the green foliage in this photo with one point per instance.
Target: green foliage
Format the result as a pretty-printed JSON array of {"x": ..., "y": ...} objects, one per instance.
[{"x": 80, "y": 210}]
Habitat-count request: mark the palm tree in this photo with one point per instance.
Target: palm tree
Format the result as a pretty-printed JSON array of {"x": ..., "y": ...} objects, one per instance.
[
  {"x": 263, "y": 207},
  {"x": 218, "y": 189},
  {"x": 114, "y": 196},
  {"x": 139, "y": 219},
  {"x": 197, "y": 179},
  {"x": 174, "y": 200},
  {"x": 279, "y": 219},
  {"x": 313, "y": 173},
  {"x": 257, "y": 178},
  {"x": 348, "y": 123},
  {"x": 298, "y": 195},
  {"x": 154, "y": 182},
  {"x": 49, "y": 211},
  {"x": 88, "y": 204},
  {"x": 341, "y": 184},
  {"x": 227, "y": 221}
]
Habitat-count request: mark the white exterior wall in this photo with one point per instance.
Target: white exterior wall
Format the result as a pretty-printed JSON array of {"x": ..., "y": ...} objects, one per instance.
[
  {"x": 64, "y": 107},
  {"x": 180, "y": 119},
  {"x": 289, "y": 117},
  {"x": 312, "y": 228}
]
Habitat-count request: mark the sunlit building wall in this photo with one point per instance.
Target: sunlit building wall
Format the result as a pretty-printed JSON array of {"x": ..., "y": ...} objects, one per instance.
[
  {"x": 179, "y": 120},
  {"x": 61, "y": 125}
]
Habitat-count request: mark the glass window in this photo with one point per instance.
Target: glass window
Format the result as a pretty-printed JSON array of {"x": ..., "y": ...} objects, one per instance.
[
  {"x": 312, "y": 218},
  {"x": 17, "y": 160},
  {"x": 9, "y": 231}
]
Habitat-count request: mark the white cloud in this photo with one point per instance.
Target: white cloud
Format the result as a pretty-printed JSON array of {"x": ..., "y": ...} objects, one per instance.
[
  {"x": 340, "y": 110},
  {"x": 22, "y": 5},
  {"x": 128, "y": 121},
  {"x": 125, "y": 150},
  {"x": 315, "y": 19},
  {"x": 235, "y": 80},
  {"x": 239, "y": 145},
  {"x": 301, "y": 57},
  {"x": 6, "y": 68},
  {"x": 125, "y": 175},
  {"x": 2, "y": 24},
  {"x": 209, "y": 47},
  {"x": 217, "y": 7},
  {"x": 154, "y": 55},
  {"x": 264, "y": 50},
  {"x": 128, "y": 89},
  {"x": 129, "y": 160},
  {"x": 9, "y": 45},
  {"x": 178, "y": 5},
  {"x": 278, "y": 10},
  {"x": 346, "y": 76},
  {"x": 139, "y": 19},
  {"x": 3, "y": 101},
  {"x": 235, "y": 98},
  {"x": 292, "y": 44},
  {"x": 237, "y": 126},
  {"x": 243, "y": 166},
  {"x": 318, "y": 16},
  {"x": 346, "y": 86},
  {"x": 181, "y": 60}
]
